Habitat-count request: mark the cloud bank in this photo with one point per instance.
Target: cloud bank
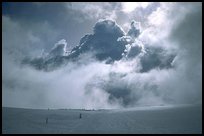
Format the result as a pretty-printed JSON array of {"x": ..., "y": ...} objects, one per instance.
[{"x": 111, "y": 69}]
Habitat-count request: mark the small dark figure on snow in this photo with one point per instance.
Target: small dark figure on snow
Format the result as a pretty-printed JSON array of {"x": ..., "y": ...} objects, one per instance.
[
  {"x": 46, "y": 120},
  {"x": 80, "y": 116}
]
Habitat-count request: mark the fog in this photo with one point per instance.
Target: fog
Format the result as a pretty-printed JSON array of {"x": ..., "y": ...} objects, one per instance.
[{"x": 93, "y": 84}]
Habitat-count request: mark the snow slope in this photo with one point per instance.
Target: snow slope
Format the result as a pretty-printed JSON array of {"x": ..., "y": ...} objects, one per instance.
[{"x": 161, "y": 119}]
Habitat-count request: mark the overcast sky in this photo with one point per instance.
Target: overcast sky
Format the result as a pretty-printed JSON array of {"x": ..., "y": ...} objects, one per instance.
[{"x": 29, "y": 28}]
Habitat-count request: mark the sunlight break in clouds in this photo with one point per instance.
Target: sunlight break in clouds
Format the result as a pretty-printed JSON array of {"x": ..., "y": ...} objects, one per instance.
[{"x": 131, "y": 6}]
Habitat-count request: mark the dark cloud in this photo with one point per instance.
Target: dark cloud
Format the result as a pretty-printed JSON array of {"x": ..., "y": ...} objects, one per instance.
[
  {"x": 134, "y": 30},
  {"x": 103, "y": 44},
  {"x": 108, "y": 42},
  {"x": 109, "y": 27},
  {"x": 156, "y": 57},
  {"x": 59, "y": 49}
]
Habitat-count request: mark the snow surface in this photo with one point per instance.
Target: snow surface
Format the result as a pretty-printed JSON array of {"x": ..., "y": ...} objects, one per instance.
[{"x": 140, "y": 120}]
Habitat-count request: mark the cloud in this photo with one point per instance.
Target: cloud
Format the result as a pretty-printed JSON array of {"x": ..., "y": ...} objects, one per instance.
[
  {"x": 134, "y": 31},
  {"x": 103, "y": 44},
  {"x": 59, "y": 48},
  {"x": 94, "y": 10},
  {"x": 62, "y": 88},
  {"x": 190, "y": 49},
  {"x": 175, "y": 30},
  {"x": 18, "y": 44},
  {"x": 34, "y": 37},
  {"x": 107, "y": 32},
  {"x": 146, "y": 74},
  {"x": 109, "y": 27},
  {"x": 131, "y": 6}
]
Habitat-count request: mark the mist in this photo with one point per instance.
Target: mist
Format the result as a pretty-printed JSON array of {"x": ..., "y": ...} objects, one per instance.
[{"x": 93, "y": 84}]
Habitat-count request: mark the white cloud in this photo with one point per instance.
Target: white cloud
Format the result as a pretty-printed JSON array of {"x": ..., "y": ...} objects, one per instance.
[
  {"x": 128, "y": 7},
  {"x": 63, "y": 88},
  {"x": 91, "y": 84},
  {"x": 94, "y": 10}
]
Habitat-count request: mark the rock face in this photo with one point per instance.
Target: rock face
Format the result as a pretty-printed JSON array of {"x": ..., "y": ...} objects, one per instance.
[{"x": 108, "y": 42}]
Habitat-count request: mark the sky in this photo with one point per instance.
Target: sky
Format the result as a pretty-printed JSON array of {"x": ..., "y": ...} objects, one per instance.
[{"x": 30, "y": 28}]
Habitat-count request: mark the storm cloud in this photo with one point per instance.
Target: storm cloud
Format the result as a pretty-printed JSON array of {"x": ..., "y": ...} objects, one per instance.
[{"x": 158, "y": 65}]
